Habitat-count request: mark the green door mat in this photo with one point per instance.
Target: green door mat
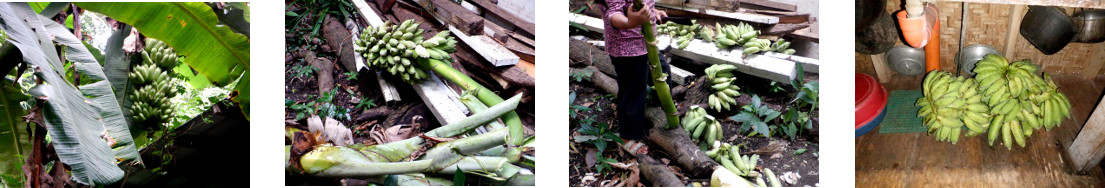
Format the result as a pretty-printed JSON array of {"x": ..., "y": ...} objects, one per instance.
[{"x": 901, "y": 113}]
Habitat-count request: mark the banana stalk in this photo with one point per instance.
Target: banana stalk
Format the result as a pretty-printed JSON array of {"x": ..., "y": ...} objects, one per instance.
[
  {"x": 513, "y": 122},
  {"x": 659, "y": 81}
]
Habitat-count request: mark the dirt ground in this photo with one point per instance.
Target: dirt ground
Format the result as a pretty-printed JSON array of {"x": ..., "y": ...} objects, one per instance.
[{"x": 805, "y": 164}]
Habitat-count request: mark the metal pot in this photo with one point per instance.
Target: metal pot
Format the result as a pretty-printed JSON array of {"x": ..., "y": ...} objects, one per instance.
[
  {"x": 906, "y": 60},
  {"x": 1090, "y": 24},
  {"x": 1048, "y": 28},
  {"x": 970, "y": 55}
]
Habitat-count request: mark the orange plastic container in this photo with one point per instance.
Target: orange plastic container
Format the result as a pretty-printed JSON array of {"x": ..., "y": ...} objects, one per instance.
[{"x": 923, "y": 31}]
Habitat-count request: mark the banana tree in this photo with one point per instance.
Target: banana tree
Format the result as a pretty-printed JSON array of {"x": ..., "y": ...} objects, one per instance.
[
  {"x": 82, "y": 116},
  {"x": 660, "y": 79}
]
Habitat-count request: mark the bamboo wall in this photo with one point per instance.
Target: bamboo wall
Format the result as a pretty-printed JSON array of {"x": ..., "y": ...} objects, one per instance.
[{"x": 989, "y": 24}]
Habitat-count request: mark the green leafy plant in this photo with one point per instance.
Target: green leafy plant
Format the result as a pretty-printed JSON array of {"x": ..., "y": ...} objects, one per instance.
[
  {"x": 807, "y": 96},
  {"x": 776, "y": 87},
  {"x": 351, "y": 75},
  {"x": 299, "y": 71},
  {"x": 756, "y": 117},
  {"x": 322, "y": 106},
  {"x": 794, "y": 122},
  {"x": 574, "y": 110},
  {"x": 603, "y": 135},
  {"x": 581, "y": 75},
  {"x": 366, "y": 104}
]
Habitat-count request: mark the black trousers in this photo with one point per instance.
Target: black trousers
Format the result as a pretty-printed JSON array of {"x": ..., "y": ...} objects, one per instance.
[{"x": 634, "y": 78}]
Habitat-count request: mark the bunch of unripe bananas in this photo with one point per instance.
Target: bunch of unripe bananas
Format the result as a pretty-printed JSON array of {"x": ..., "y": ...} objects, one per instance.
[
  {"x": 764, "y": 45},
  {"x": 949, "y": 103},
  {"x": 153, "y": 86},
  {"x": 696, "y": 123},
  {"x": 730, "y": 158},
  {"x": 721, "y": 81},
  {"x": 731, "y": 35},
  {"x": 1020, "y": 100},
  {"x": 685, "y": 33},
  {"x": 397, "y": 49}
]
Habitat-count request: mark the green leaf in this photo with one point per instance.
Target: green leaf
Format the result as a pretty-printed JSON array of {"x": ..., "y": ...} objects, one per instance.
[
  {"x": 198, "y": 82},
  {"x": 744, "y": 117},
  {"x": 458, "y": 178},
  {"x": 241, "y": 95},
  {"x": 761, "y": 128},
  {"x": 77, "y": 120},
  {"x": 800, "y": 151},
  {"x": 14, "y": 140},
  {"x": 755, "y": 101}
]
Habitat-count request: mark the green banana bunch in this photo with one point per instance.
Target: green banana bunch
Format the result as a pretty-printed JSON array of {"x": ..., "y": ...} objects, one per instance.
[
  {"x": 782, "y": 46},
  {"x": 949, "y": 104},
  {"x": 696, "y": 122},
  {"x": 730, "y": 158},
  {"x": 1020, "y": 100},
  {"x": 684, "y": 33},
  {"x": 757, "y": 46},
  {"x": 397, "y": 49},
  {"x": 721, "y": 80},
  {"x": 160, "y": 54},
  {"x": 153, "y": 86},
  {"x": 730, "y": 35}
]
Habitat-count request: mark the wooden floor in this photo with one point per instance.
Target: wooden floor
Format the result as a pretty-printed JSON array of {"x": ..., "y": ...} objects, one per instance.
[{"x": 918, "y": 160}]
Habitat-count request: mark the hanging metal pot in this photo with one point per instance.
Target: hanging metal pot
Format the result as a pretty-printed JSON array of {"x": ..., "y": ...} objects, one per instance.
[
  {"x": 1048, "y": 28},
  {"x": 879, "y": 37},
  {"x": 1090, "y": 24}
]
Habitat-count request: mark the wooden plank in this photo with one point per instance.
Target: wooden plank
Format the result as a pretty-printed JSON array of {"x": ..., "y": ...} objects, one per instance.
[
  {"x": 769, "y": 4},
  {"x": 809, "y": 33},
  {"x": 725, "y": 5},
  {"x": 367, "y": 13},
  {"x": 389, "y": 91},
  {"x": 771, "y": 68},
  {"x": 782, "y": 29},
  {"x": 757, "y": 18},
  {"x": 881, "y": 68},
  {"x": 680, "y": 76},
  {"x": 1014, "y": 25},
  {"x": 1088, "y": 148},
  {"x": 488, "y": 48},
  {"x": 591, "y": 23},
  {"x": 1062, "y": 3},
  {"x": 444, "y": 103},
  {"x": 450, "y": 13},
  {"x": 1096, "y": 62},
  {"x": 511, "y": 20},
  {"x": 808, "y": 64}
]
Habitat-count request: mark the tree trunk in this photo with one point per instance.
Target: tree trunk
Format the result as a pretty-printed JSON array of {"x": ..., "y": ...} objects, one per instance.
[
  {"x": 678, "y": 145},
  {"x": 339, "y": 40},
  {"x": 607, "y": 84},
  {"x": 587, "y": 54},
  {"x": 657, "y": 173}
]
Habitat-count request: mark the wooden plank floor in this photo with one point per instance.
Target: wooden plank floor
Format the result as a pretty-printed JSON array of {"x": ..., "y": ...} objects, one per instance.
[{"x": 918, "y": 160}]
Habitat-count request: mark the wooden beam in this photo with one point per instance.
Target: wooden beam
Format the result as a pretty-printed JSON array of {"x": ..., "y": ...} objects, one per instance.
[
  {"x": 488, "y": 48},
  {"x": 511, "y": 20},
  {"x": 1088, "y": 148},
  {"x": 808, "y": 64},
  {"x": 757, "y": 18},
  {"x": 449, "y": 13},
  {"x": 441, "y": 100},
  {"x": 769, "y": 4},
  {"x": 809, "y": 33},
  {"x": 367, "y": 13},
  {"x": 591, "y": 23},
  {"x": 771, "y": 68},
  {"x": 1093, "y": 68},
  {"x": 1062, "y": 3},
  {"x": 680, "y": 76},
  {"x": 782, "y": 29},
  {"x": 724, "y": 5},
  {"x": 881, "y": 69},
  {"x": 1014, "y": 28}
]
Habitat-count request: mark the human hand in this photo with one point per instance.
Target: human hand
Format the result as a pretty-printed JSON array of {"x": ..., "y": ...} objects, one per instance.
[
  {"x": 638, "y": 17},
  {"x": 658, "y": 15}
]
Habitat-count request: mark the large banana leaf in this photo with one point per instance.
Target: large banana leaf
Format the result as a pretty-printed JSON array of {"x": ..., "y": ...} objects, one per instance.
[
  {"x": 81, "y": 122},
  {"x": 192, "y": 29},
  {"x": 13, "y": 133}
]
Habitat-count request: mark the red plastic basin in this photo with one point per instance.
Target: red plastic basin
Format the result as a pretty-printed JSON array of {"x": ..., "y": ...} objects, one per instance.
[{"x": 871, "y": 99}]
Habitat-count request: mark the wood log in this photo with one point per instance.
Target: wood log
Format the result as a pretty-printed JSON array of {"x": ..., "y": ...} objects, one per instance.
[
  {"x": 599, "y": 80},
  {"x": 455, "y": 15},
  {"x": 374, "y": 113},
  {"x": 511, "y": 20},
  {"x": 324, "y": 72},
  {"x": 658, "y": 174},
  {"x": 580, "y": 51},
  {"x": 678, "y": 145},
  {"x": 338, "y": 38}
]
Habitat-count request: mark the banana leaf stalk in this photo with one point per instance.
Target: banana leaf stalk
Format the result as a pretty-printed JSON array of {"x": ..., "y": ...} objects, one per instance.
[
  {"x": 475, "y": 106},
  {"x": 488, "y": 97},
  {"x": 659, "y": 81},
  {"x": 446, "y": 158}
]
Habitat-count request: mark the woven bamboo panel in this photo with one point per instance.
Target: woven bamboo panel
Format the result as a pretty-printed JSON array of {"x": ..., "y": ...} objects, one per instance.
[{"x": 988, "y": 24}]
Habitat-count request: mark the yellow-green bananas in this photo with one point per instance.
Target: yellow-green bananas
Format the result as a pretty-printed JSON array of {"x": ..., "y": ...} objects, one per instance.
[
  {"x": 721, "y": 81},
  {"x": 951, "y": 103},
  {"x": 701, "y": 126},
  {"x": 1020, "y": 99},
  {"x": 397, "y": 49}
]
